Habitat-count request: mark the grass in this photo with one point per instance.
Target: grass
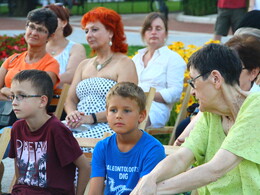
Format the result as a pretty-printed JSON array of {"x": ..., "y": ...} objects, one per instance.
[
  {"x": 130, "y": 6},
  {"x": 127, "y": 7},
  {"x": 131, "y": 50}
]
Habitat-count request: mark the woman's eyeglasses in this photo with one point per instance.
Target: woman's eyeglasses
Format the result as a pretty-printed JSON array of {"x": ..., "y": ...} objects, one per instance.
[
  {"x": 192, "y": 81},
  {"x": 40, "y": 30}
]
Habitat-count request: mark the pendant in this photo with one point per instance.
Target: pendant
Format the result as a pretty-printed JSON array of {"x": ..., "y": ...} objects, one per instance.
[
  {"x": 53, "y": 53},
  {"x": 99, "y": 67}
]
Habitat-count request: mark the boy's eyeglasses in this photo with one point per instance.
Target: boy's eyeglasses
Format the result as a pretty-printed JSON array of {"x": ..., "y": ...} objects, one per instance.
[
  {"x": 21, "y": 97},
  {"x": 40, "y": 30},
  {"x": 192, "y": 81}
]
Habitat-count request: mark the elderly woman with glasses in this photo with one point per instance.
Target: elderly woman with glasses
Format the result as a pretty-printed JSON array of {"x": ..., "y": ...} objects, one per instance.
[
  {"x": 40, "y": 26},
  {"x": 226, "y": 140},
  {"x": 248, "y": 48}
]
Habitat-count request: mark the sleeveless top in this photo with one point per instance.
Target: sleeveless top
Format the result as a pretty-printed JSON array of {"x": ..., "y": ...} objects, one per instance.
[
  {"x": 63, "y": 57},
  {"x": 92, "y": 99}
]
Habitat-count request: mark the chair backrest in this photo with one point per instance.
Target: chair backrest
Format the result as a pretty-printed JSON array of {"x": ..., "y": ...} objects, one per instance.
[
  {"x": 60, "y": 105},
  {"x": 86, "y": 142},
  {"x": 149, "y": 99},
  {"x": 182, "y": 114},
  {"x": 4, "y": 140}
]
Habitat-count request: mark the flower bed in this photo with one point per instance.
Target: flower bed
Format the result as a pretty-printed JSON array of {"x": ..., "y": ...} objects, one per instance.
[{"x": 10, "y": 45}]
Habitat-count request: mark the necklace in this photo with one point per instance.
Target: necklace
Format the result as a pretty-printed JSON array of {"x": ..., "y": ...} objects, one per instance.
[
  {"x": 99, "y": 66},
  {"x": 53, "y": 53}
]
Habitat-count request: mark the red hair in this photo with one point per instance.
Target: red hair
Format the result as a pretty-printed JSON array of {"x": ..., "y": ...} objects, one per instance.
[{"x": 112, "y": 21}]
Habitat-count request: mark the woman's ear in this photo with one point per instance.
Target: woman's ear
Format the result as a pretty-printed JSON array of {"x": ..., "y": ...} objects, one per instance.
[
  {"x": 216, "y": 79},
  {"x": 111, "y": 34},
  {"x": 254, "y": 73},
  {"x": 64, "y": 23}
]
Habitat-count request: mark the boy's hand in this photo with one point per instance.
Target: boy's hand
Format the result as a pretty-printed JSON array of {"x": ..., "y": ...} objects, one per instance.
[{"x": 146, "y": 186}]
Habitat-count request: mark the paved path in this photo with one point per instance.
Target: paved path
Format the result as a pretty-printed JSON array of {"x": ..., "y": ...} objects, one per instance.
[{"x": 189, "y": 30}]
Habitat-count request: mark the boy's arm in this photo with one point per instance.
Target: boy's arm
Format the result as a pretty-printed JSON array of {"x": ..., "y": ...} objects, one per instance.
[
  {"x": 16, "y": 170},
  {"x": 84, "y": 173},
  {"x": 96, "y": 186}
]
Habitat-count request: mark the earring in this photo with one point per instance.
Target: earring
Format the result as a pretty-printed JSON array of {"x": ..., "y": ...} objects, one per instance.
[{"x": 110, "y": 43}]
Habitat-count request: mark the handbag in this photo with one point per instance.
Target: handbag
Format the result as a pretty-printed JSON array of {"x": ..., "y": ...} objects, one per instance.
[{"x": 5, "y": 113}]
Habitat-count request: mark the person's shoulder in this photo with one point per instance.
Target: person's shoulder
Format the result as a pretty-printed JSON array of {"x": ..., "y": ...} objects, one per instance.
[
  {"x": 107, "y": 143},
  {"x": 169, "y": 52},
  {"x": 151, "y": 141},
  {"x": 49, "y": 60},
  {"x": 252, "y": 100},
  {"x": 125, "y": 60},
  {"x": 253, "y": 95},
  {"x": 12, "y": 59},
  {"x": 18, "y": 123},
  {"x": 56, "y": 126},
  {"x": 77, "y": 47},
  {"x": 141, "y": 51},
  {"x": 120, "y": 56}
]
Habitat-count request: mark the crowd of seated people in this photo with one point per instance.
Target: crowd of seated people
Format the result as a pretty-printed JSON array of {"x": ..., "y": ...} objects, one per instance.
[{"x": 107, "y": 95}]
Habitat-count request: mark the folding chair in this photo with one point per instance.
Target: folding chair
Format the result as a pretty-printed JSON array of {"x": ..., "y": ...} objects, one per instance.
[
  {"x": 60, "y": 104},
  {"x": 85, "y": 142},
  {"x": 171, "y": 129},
  {"x": 90, "y": 143},
  {"x": 4, "y": 140},
  {"x": 149, "y": 99}
]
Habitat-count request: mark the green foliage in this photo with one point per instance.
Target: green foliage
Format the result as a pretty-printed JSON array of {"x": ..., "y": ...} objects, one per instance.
[
  {"x": 128, "y": 7},
  {"x": 131, "y": 50},
  {"x": 199, "y": 7}
]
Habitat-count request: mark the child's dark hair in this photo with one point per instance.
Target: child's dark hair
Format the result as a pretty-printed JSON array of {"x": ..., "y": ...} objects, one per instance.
[
  {"x": 45, "y": 17},
  {"x": 128, "y": 90},
  {"x": 40, "y": 81}
]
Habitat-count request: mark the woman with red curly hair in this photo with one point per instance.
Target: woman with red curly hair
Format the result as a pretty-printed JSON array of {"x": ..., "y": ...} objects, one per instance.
[{"x": 86, "y": 101}]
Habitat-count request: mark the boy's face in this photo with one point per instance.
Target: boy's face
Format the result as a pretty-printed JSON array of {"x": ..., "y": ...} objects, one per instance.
[
  {"x": 124, "y": 115},
  {"x": 25, "y": 107}
]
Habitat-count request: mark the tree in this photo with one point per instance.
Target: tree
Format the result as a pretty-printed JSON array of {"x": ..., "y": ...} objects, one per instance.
[
  {"x": 21, "y": 7},
  {"x": 199, "y": 7}
]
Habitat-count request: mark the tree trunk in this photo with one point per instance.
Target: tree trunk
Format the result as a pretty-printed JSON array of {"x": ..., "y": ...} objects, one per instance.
[{"x": 21, "y": 7}]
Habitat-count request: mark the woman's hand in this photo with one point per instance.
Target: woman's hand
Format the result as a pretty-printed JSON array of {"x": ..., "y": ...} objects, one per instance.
[
  {"x": 179, "y": 141},
  {"x": 146, "y": 185},
  {"x": 76, "y": 119},
  {"x": 5, "y": 92}
]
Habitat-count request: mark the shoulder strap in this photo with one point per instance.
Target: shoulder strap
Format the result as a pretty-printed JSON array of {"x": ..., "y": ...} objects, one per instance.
[{"x": 14, "y": 58}]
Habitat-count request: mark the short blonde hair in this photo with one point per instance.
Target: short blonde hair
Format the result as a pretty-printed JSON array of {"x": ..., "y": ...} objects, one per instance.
[{"x": 128, "y": 90}]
